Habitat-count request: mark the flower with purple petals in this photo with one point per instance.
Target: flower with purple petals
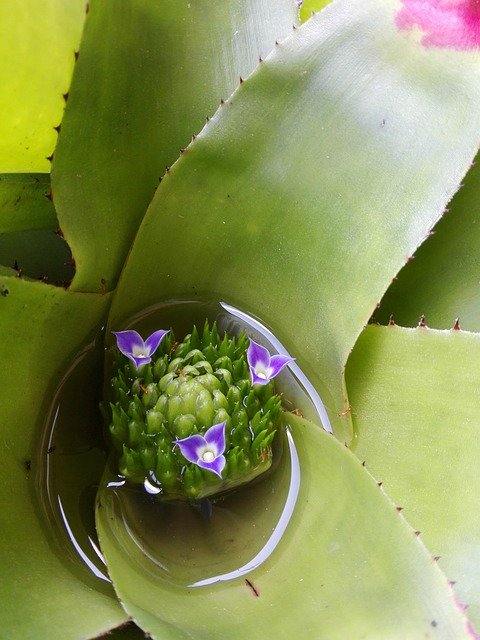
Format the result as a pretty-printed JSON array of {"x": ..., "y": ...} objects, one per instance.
[
  {"x": 131, "y": 344},
  {"x": 206, "y": 451},
  {"x": 263, "y": 366}
]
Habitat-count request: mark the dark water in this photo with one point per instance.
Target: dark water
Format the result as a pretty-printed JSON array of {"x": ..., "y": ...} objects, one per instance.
[{"x": 185, "y": 544}]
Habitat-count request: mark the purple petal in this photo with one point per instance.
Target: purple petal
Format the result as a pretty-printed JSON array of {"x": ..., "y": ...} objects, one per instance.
[
  {"x": 215, "y": 438},
  {"x": 138, "y": 361},
  {"x": 190, "y": 447},
  {"x": 127, "y": 340},
  {"x": 216, "y": 466},
  {"x": 277, "y": 363},
  {"x": 153, "y": 341},
  {"x": 256, "y": 354},
  {"x": 256, "y": 379}
]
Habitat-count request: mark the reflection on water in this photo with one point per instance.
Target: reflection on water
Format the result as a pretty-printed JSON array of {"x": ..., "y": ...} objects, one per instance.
[{"x": 194, "y": 545}]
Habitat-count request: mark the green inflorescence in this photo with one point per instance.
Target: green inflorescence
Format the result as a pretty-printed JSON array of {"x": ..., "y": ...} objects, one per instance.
[{"x": 184, "y": 390}]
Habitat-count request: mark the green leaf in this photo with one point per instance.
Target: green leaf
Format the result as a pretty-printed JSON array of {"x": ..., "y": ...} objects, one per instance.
[
  {"x": 312, "y": 184},
  {"x": 415, "y": 396},
  {"x": 43, "y": 328},
  {"x": 37, "y": 56},
  {"x": 37, "y": 254},
  {"x": 311, "y": 6},
  {"x": 24, "y": 202},
  {"x": 442, "y": 281},
  {"x": 122, "y": 128},
  {"x": 345, "y": 551}
]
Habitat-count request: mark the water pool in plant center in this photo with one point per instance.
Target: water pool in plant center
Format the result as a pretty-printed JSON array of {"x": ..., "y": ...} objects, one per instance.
[{"x": 186, "y": 544}]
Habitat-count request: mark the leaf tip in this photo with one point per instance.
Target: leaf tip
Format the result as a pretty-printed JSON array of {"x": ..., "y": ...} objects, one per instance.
[
  {"x": 421, "y": 323},
  {"x": 456, "y": 324}
]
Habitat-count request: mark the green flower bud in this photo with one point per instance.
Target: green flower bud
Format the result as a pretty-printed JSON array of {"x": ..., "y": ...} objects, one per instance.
[
  {"x": 244, "y": 386},
  {"x": 130, "y": 465},
  {"x": 173, "y": 387},
  {"x": 219, "y": 400},
  {"x": 204, "y": 409},
  {"x": 159, "y": 368},
  {"x": 210, "y": 353},
  {"x": 135, "y": 432},
  {"x": 154, "y": 421},
  {"x": 118, "y": 433},
  {"x": 252, "y": 404},
  {"x": 175, "y": 408},
  {"x": 148, "y": 457},
  {"x": 136, "y": 410},
  {"x": 175, "y": 364},
  {"x": 166, "y": 470},
  {"x": 184, "y": 425},
  {"x": 190, "y": 370},
  {"x": 162, "y": 404},
  {"x": 234, "y": 397},
  {"x": 192, "y": 481},
  {"x": 240, "y": 417},
  {"x": 150, "y": 396},
  {"x": 240, "y": 369},
  {"x": 203, "y": 366},
  {"x": 209, "y": 381},
  {"x": 225, "y": 377},
  {"x": 165, "y": 381},
  {"x": 221, "y": 415},
  {"x": 194, "y": 356},
  {"x": 241, "y": 436},
  {"x": 223, "y": 363}
]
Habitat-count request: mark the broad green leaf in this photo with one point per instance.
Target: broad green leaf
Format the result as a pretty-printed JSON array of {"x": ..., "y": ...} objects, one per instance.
[
  {"x": 24, "y": 202},
  {"x": 347, "y": 566},
  {"x": 442, "y": 281},
  {"x": 310, "y": 6},
  {"x": 311, "y": 185},
  {"x": 43, "y": 328},
  {"x": 28, "y": 225},
  {"x": 148, "y": 75},
  {"x": 39, "y": 254},
  {"x": 415, "y": 396},
  {"x": 37, "y": 47}
]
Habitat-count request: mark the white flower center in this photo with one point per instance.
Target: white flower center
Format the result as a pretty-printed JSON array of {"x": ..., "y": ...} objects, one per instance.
[
  {"x": 208, "y": 456},
  {"x": 261, "y": 373},
  {"x": 139, "y": 352}
]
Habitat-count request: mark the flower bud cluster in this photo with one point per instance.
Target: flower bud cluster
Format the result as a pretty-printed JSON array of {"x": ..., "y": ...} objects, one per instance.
[{"x": 184, "y": 390}]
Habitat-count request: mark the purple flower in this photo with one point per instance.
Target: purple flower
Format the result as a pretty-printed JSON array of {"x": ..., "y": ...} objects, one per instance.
[
  {"x": 206, "y": 451},
  {"x": 131, "y": 344},
  {"x": 263, "y": 366}
]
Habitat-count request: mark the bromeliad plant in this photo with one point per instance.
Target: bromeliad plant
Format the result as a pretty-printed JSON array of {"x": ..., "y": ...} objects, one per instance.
[{"x": 331, "y": 157}]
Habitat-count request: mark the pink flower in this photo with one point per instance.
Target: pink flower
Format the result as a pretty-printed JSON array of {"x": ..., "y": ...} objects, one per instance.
[{"x": 445, "y": 23}]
